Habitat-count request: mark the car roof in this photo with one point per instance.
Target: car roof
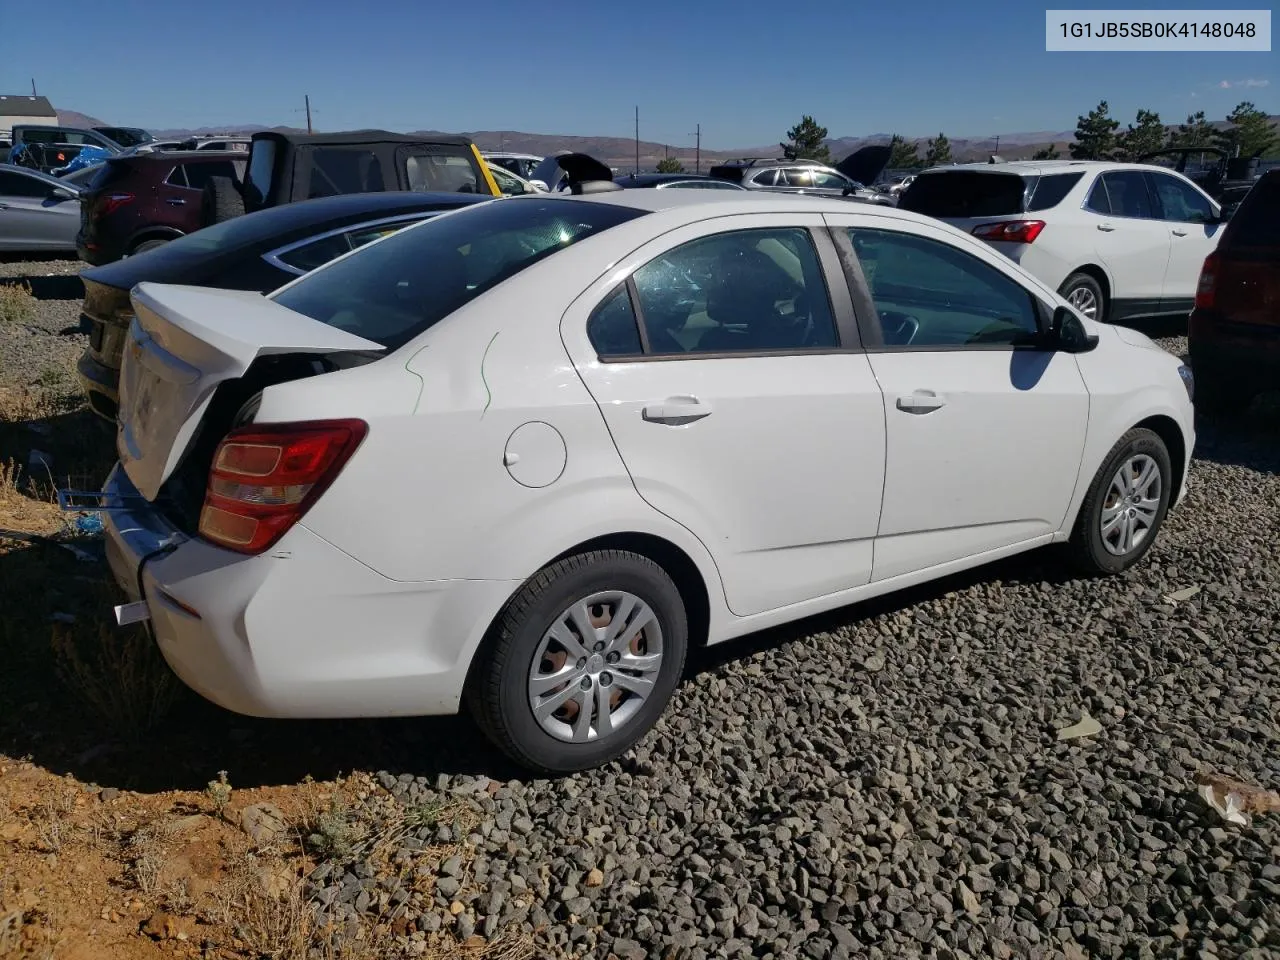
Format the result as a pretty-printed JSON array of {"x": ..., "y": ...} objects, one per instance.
[
  {"x": 1040, "y": 168},
  {"x": 362, "y": 136},
  {"x": 649, "y": 179},
  {"x": 695, "y": 205}
]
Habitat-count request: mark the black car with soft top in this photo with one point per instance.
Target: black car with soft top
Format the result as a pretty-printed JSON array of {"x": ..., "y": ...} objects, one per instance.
[{"x": 259, "y": 252}]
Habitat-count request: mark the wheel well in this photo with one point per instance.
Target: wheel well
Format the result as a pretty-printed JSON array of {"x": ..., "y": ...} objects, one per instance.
[
  {"x": 1096, "y": 272},
  {"x": 1168, "y": 431},
  {"x": 678, "y": 565},
  {"x": 141, "y": 238}
]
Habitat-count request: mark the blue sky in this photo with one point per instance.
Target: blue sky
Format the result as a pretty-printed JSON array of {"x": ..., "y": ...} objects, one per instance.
[{"x": 745, "y": 71}]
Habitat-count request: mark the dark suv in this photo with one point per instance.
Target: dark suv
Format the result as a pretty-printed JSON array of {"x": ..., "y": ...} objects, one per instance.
[
  {"x": 1234, "y": 330},
  {"x": 142, "y": 201}
]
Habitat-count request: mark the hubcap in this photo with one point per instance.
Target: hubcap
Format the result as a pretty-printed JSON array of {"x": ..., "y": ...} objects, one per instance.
[
  {"x": 595, "y": 666},
  {"x": 1082, "y": 299},
  {"x": 1131, "y": 504}
]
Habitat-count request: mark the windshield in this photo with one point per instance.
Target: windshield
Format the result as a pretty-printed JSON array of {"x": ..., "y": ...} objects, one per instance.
[
  {"x": 965, "y": 193},
  {"x": 394, "y": 289}
]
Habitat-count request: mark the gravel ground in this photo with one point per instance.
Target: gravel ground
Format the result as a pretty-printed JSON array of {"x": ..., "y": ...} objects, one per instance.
[
  {"x": 39, "y": 352},
  {"x": 886, "y": 781}
]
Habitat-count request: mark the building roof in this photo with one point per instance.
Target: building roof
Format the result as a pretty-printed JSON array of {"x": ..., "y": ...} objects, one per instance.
[{"x": 12, "y": 105}]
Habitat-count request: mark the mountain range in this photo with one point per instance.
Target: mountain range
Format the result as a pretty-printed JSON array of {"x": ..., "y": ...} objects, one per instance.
[{"x": 621, "y": 152}]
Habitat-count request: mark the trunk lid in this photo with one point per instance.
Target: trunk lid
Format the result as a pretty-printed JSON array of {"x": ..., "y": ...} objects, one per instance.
[
  {"x": 866, "y": 164},
  {"x": 1248, "y": 281},
  {"x": 183, "y": 343}
]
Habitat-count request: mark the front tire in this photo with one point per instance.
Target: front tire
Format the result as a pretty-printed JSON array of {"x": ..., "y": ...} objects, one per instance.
[
  {"x": 581, "y": 662},
  {"x": 1085, "y": 294},
  {"x": 1125, "y": 506}
]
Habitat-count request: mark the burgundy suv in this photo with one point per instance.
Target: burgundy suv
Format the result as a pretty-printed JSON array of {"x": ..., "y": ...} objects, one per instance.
[
  {"x": 1234, "y": 330},
  {"x": 138, "y": 202}
]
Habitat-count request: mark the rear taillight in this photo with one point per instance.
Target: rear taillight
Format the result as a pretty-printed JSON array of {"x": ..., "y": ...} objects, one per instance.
[
  {"x": 113, "y": 202},
  {"x": 1009, "y": 231},
  {"x": 266, "y": 476},
  {"x": 1208, "y": 280}
]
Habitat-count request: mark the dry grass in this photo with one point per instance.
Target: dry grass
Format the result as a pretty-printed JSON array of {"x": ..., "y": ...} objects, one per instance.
[
  {"x": 17, "y": 305},
  {"x": 118, "y": 674}
]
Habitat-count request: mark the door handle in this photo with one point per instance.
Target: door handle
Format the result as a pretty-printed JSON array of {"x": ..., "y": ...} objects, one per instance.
[
  {"x": 176, "y": 202},
  {"x": 675, "y": 411},
  {"x": 922, "y": 401},
  {"x": 1179, "y": 233},
  {"x": 1106, "y": 227},
  {"x": 4, "y": 206}
]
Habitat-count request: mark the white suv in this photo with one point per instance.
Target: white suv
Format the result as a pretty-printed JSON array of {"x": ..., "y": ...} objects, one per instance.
[{"x": 1117, "y": 240}]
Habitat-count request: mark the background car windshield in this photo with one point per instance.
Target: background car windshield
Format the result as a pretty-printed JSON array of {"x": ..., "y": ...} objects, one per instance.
[{"x": 395, "y": 289}]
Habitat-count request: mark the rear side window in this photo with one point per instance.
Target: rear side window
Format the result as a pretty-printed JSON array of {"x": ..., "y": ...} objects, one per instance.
[
  {"x": 1050, "y": 190},
  {"x": 612, "y": 329},
  {"x": 340, "y": 170},
  {"x": 1257, "y": 222},
  {"x": 965, "y": 193},
  {"x": 442, "y": 172},
  {"x": 1098, "y": 200},
  {"x": 1129, "y": 196},
  {"x": 766, "y": 179},
  {"x": 384, "y": 294}
]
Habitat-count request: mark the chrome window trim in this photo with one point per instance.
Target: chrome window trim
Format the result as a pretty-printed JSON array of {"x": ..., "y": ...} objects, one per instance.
[{"x": 273, "y": 257}]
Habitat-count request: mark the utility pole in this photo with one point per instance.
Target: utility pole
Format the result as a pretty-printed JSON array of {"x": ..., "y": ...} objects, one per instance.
[
  {"x": 997, "y": 143},
  {"x": 637, "y": 170},
  {"x": 307, "y": 98},
  {"x": 33, "y": 87}
]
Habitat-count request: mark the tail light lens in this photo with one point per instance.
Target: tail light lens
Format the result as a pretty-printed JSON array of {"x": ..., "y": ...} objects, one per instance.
[
  {"x": 112, "y": 202},
  {"x": 266, "y": 476},
  {"x": 1010, "y": 231},
  {"x": 1208, "y": 281}
]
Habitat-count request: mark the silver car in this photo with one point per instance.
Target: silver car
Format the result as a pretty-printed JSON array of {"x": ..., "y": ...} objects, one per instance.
[
  {"x": 848, "y": 178},
  {"x": 37, "y": 212}
]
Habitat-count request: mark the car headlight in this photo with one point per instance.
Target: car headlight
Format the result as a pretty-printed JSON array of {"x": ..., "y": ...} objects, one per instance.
[{"x": 1188, "y": 381}]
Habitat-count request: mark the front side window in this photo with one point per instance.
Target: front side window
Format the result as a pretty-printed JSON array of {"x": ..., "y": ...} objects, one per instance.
[
  {"x": 740, "y": 292},
  {"x": 16, "y": 185},
  {"x": 830, "y": 181},
  {"x": 508, "y": 184},
  {"x": 1127, "y": 190},
  {"x": 1180, "y": 201},
  {"x": 930, "y": 294},
  {"x": 393, "y": 291}
]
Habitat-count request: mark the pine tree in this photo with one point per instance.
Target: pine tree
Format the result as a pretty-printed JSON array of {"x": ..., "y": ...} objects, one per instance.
[
  {"x": 1145, "y": 137},
  {"x": 902, "y": 154},
  {"x": 805, "y": 141},
  {"x": 1251, "y": 131},
  {"x": 1046, "y": 153},
  {"x": 937, "y": 151},
  {"x": 1196, "y": 132},
  {"x": 1095, "y": 135}
]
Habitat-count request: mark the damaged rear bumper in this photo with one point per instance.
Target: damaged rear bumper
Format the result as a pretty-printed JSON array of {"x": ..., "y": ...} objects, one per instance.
[{"x": 302, "y": 631}]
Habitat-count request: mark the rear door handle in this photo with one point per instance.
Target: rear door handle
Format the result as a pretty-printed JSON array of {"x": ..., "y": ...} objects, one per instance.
[
  {"x": 1106, "y": 227},
  {"x": 176, "y": 202},
  {"x": 922, "y": 401},
  {"x": 1179, "y": 233},
  {"x": 675, "y": 411}
]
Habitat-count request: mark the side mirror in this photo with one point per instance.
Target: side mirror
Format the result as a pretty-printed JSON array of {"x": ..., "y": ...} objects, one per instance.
[
  {"x": 63, "y": 193},
  {"x": 848, "y": 191},
  {"x": 1068, "y": 334}
]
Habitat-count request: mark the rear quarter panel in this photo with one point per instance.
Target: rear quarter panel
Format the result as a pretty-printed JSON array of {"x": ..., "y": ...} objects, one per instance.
[{"x": 428, "y": 496}]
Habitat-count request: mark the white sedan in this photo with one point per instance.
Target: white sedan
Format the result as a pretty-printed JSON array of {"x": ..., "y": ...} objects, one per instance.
[{"x": 524, "y": 455}]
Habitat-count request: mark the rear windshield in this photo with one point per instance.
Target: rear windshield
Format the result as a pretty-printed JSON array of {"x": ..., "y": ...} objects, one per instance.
[
  {"x": 1257, "y": 222},
  {"x": 965, "y": 193},
  {"x": 109, "y": 173},
  {"x": 394, "y": 289},
  {"x": 733, "y": 174}
]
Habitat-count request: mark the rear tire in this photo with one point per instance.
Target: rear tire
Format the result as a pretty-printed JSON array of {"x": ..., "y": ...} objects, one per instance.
[
  {"x": 221, "y": 201},
  {"x": 1119, "y": 520},
  {"x": 1085, "y": 294},
  {"x": 623, "y": 682},
  {"x": 146, "y": 245}
]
